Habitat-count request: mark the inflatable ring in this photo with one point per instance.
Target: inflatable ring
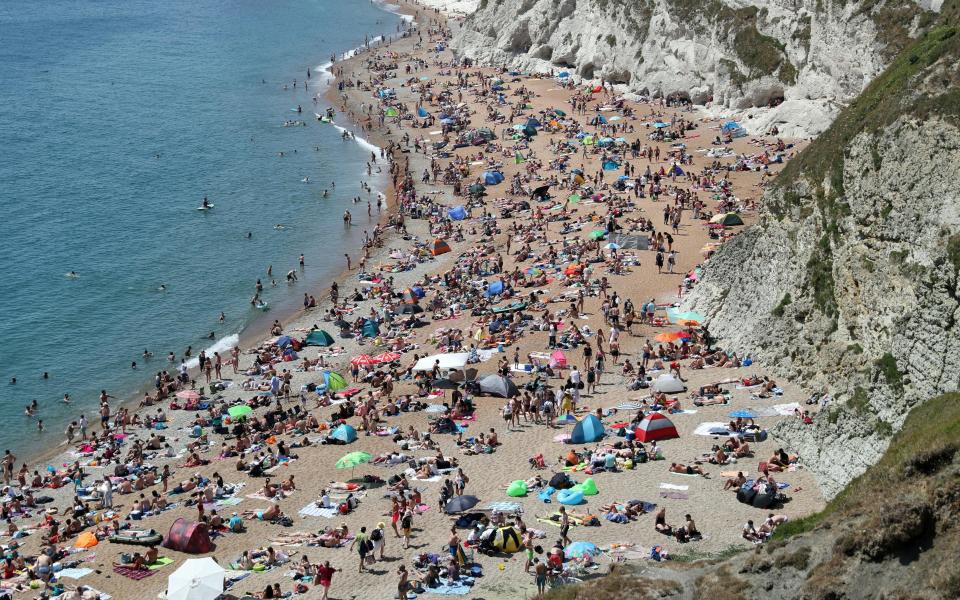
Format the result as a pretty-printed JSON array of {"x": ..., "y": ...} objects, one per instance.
[{"x": 570, "y": 497}]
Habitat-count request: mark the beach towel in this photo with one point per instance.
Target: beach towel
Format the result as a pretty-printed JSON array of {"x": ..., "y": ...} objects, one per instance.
[
  {"x": 786, "y": 409},
  {"x": 711, "y": 428},
  {"x": 162, "y": 561},
  {"x": 280, "y": 496},
  {"x": 504, "y": 507},
  {"x": 135, "y": 574},
  {"x": 729, "y": 473},
  {"x": 685, "y": 474},
  {"x": 685, "y": 411},
  {"x": 312, "y": 510},
  {"x": 75, "y": 573},
  {"x": 228, "y": 502},
  {"x": 459, "y": 588},
  {"x": 671, "y": 486},
  {"x": 674, "y": 495}
]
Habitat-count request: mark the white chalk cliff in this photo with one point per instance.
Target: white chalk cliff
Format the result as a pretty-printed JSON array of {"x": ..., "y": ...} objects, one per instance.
[{"x": 810, "y": 56}]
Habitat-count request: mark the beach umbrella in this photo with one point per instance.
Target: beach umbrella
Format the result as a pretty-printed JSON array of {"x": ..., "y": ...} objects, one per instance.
[
  {"x": 597, "y": 234},
  {"x": 688, "y": 322},
  {"x": 196, "y": 579},
  {"x": 350, "y": 461},
  {"x": 460, "y": 504},
  {"x": 574, "y": 198},
  {"x": 667, "y": 336},
  {"x": 188, "y": 395},
  {"x": 558, "y": 359},
  {"x": 363, "y": 360},
  {"x": 743, "y": 413},
  {"x": 387, "y": 357},
  {"x": 238, "y": 411},
  {"x": 612, "y": 246},
  {"x": 409, "y": 309},
  {"x": 335, "y": 381},
  {"x": 581, "y": 549}
]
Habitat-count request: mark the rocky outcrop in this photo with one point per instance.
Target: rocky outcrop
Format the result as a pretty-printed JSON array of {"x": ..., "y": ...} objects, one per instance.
[
  {"x": 848, "y": 283},
  {"x": 808, "y": 57}
]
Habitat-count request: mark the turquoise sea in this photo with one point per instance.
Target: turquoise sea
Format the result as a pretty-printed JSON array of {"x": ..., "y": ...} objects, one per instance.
[{"x": 116, "y": 119}]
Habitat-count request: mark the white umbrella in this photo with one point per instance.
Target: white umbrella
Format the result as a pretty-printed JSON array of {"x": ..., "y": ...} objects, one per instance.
[
  {"x": 613, "y": 246},
  {"x": 197, "y": 579}
]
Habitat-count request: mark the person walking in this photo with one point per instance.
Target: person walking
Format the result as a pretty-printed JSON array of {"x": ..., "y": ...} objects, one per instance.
[
  {"x": 363, "y": 544},
  {"x": 325, "y": 577},
  {"x": 406, "y": 524}
]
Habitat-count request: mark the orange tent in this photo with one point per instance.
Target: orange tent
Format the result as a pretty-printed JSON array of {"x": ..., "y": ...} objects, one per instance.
[
  {"x": 86, "y": 540},
  {"x": 438, "y": 247}
]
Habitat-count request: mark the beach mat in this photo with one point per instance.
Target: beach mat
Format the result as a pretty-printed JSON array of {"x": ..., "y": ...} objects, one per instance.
[
  {"x": 312, "y": 510},
  {"x": 671, "y": 486},
  {"x": 130, "y": 572},
  {"x": 675, "y": 495},
  {"x": 74, "y": 573},
  {"x": 711, "y": 429},
  {"x": 162, "y": 561}
]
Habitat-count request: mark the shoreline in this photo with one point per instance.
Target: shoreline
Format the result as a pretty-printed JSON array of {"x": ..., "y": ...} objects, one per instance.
[{"x": 257, "y": 330}]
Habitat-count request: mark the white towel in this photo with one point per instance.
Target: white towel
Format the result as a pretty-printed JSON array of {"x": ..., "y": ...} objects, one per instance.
[{"x": 670, "y": 486}]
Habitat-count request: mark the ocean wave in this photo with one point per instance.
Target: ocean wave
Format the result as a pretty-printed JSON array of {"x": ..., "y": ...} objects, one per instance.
[
  {"x": 393, "y": 8},
  {"x": 223, "y": 345}
]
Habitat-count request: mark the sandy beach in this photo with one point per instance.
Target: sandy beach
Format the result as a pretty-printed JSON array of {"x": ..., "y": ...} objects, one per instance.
[{"x": 417, "y": 71}]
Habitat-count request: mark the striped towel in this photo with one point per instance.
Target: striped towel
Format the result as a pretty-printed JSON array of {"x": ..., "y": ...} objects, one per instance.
[
  {"x": 312, "y": 510},
  {"x": 628, "y": 406}
]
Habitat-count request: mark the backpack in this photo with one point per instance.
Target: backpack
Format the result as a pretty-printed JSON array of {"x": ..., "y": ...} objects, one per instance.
[{"x": 377, "y": 535}]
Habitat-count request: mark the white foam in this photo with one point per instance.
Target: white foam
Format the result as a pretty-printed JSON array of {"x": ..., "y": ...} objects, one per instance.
[
  {"x": 393, "y": 8},
  {"x": 222, "y": 345}
]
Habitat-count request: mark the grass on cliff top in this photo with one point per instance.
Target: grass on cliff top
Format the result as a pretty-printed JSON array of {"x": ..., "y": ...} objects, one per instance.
[
  {"x": 888, "y": 97},
  {"x": 930, "y": 434}
]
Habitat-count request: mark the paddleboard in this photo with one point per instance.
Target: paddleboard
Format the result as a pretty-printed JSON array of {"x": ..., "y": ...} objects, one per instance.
[
  {"x": 262, "y": 306},
  {"x": 208, "y": 207}
]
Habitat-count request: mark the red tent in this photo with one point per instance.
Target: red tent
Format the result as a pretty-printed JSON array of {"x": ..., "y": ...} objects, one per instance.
[
  {"x": 655, "y": 427},
  {"x": 192, "y": 538}
]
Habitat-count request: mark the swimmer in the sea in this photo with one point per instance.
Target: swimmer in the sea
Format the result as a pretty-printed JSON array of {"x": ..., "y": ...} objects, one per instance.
[
  {"x": 210, "y": 336},
  {"x": 223, "y": 317},
  {"x": 147, "y": 353},
  {"x": 66, "y": 399},
  {"x": 162, "y": 288},
  {"x": 72, "y": 275}
]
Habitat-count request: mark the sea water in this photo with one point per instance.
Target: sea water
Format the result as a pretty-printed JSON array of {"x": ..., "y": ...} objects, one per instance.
[{"x": 116, "y": 119}]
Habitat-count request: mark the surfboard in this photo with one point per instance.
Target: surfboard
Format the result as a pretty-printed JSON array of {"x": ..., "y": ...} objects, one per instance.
[{"x": 208, "y": 207}]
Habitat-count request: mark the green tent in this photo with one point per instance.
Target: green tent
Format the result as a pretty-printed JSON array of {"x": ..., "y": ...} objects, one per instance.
[
  {"x": 588, "y": 140},
  {"x": 370, "y": 329},
  {"x": 319, "y": 337},
  {"x": 730, "y": 218},
  {"x": 574, "y": 198},
  {"x": 391, "y": 112},
  {"x": 238, "y": 411},
  {"x": 597, "y": 234}
]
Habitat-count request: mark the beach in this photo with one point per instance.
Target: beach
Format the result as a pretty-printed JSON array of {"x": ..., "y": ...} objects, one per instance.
[{"x": 718, "y": 515}]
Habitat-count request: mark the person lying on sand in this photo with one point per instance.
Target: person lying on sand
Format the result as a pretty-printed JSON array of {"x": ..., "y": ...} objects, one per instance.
[{"x": 687, "y": 469}]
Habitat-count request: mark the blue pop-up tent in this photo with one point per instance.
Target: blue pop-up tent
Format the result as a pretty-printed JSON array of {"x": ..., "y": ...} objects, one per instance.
[
  {"x": 370, "y": 329},
  {"x": 610, "y": 165},
  {"x": 492, "y": 177},
  {"x": 345, "y": 433},
  {"x": 494, "y": 288},
  {"x": 422, "y": 112},
  {"x": 588, "y": 430},
  {"x": 457, "y": 213}
]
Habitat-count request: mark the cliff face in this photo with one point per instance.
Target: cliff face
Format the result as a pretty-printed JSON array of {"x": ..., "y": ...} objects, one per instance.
[
  {"x": 813, "y": 56},
  {"x": 849, "y": 281}
]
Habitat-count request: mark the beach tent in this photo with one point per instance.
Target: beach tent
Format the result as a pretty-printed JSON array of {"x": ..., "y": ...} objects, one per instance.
[
  {"x": 588, "y": 430},
  {"x": 319, "y": 338},
  {"x": 283, "y": 341},
  {"x": 610, "y": 165},
  {"x": 422, "y": 112},
  {"x": 86, "y": 540},
  {"x": 409, "y": 308},
  {"x": 391, "y": 112},
  {"x": 458, "y": 213},
  {"x": 184, "y": 536},
  {"x": 675, "y": 170},
  {"x": 558, "y": 360},
  {"x": 345, "y": 433},
  {"x": 541, "y": 192},
  {"x": 494, "y": 288},
  {"x": 333, "y": 382},
  {"x": 196, "y": 579},
  {"x": 370, "y": 329},
  {"x": 492, "y": 177},
  {"x": 438, "y": 247},
  {"x": 507, "y": 539},
  {"x": 452, "y": 361},
  {"x": 655, "y": 427},
  {"x": 668, "y": 384},
  {"x": 730, "y": 218},
  {"x": 498, "y": 385},
  {"x": 598, "y": 120}
]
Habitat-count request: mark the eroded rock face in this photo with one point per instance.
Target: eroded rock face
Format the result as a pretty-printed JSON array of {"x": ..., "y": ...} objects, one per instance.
[
  {"x": 814, "y": 55},
  {"x": 862, "y": 302}
]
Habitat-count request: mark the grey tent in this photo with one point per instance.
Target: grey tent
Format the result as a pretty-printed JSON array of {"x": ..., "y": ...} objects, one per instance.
[{"x": 498, "y": 385}]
